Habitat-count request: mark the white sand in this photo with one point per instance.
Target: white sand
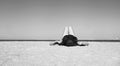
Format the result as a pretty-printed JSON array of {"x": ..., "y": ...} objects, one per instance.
[{"x": 41, "y": 54}]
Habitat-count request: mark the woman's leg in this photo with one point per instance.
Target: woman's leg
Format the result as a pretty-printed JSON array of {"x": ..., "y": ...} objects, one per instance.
[
  {"x": 66, "y": 31},
  {"x": 70, "y": 31}
]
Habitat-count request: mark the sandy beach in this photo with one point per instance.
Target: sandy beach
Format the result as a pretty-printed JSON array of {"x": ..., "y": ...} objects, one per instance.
[{"x": 25, "y": 53}]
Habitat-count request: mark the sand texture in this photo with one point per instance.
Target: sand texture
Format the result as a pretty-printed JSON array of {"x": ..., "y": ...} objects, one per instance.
[{"x": 41, "y": 54}]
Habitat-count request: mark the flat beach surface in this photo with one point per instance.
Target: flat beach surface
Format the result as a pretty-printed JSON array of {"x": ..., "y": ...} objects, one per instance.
[{"x": 28, "y": 53}]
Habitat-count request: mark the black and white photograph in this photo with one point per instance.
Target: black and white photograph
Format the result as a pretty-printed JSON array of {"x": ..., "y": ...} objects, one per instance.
[{"x": 59, "y": 32}]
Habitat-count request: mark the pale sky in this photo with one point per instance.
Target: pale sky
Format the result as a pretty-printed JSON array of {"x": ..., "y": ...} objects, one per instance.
[{"x": 46, "y": 19}]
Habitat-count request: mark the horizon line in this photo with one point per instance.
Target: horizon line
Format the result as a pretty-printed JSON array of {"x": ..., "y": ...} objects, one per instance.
[{"x": 87, "y": 40}]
